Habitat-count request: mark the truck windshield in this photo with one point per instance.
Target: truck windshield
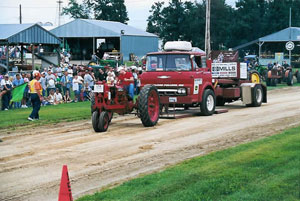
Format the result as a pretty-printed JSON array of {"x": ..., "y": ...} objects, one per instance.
[{"x": 169, "y": 62}]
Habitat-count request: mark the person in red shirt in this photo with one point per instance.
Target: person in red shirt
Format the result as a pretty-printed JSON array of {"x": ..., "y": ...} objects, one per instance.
[{"x": 126, "y": 79}]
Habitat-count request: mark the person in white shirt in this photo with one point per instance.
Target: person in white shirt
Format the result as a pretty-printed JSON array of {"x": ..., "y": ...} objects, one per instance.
[
  {"x": 57, "y": 97},
  {"x": 76, "y": 82},
  {"x": 6, "y": 86}
]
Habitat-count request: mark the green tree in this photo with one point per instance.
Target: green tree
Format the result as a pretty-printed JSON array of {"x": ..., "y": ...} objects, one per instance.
[
  {"x": 110, "y": 10},
  {"x": 76, "y": 10}
]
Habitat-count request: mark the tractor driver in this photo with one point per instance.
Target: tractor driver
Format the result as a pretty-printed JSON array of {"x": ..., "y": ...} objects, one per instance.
[{"x": 126, "y": 79}]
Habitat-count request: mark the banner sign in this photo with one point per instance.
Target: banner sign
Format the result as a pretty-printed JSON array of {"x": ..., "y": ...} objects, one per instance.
[{"x": 223, "y": 70}]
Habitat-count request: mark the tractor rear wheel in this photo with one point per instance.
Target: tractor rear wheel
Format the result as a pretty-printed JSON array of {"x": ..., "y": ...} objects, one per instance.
[
  {"x": 103, "y": 121},
  {"x": 268, "y": 81},
  {"x": 95, "y": 121},
  {"x": 254, "y": 76},
  {"x": 298, "y": 76},
  {"x": 273, "y": 82},
  {"x": 257, "y": 97},
  {"x": 289, "y": 79},
  {"x": 149, "y": 105},
  {"x": 208, "y": 104}
]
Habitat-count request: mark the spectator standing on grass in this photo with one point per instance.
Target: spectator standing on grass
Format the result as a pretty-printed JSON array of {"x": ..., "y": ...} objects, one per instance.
[
  {"x": 35, "y": 88},
  {"x": 76, "y": 81},
  {"x": 16, "y": 82},
  {"x": 6, "y": 86},
  {"x": 26, "y": 95},
  {"x": 43, "y": 83},
  {"x": 66, "y": 82},
  {"x": 50, "y": 78}
]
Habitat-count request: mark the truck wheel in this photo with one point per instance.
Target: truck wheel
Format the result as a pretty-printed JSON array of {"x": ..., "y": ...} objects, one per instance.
[
  {"x": 149, "y": 105},
  {"x": 208, "y": 103},
  {"x": 257, "y": 96},
  {"x": 103, "y": 121},
  {"x": 298, "y": 76},
  {"x": 95, "y": 121},
  {"x": 289, "y": 79}
]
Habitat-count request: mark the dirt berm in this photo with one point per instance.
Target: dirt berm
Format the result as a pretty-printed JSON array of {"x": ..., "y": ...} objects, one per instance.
[{"x": 31, "y": 160}]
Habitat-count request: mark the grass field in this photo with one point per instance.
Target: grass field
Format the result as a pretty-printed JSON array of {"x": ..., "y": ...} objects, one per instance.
[
  {"x": 48, "y": 114},
  {"x": 267, "y": 169}
]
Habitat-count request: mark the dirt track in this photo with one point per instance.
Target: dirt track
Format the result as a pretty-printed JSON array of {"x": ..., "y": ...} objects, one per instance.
[{"x": 31, "y": 161}]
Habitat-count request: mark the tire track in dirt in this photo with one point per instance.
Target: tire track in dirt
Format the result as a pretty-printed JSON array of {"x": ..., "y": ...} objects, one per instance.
[{"x": 128, "y": 149}]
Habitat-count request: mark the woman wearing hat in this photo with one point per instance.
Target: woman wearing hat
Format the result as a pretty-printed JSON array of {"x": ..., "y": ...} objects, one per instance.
[{"x": 35, "y": 89}]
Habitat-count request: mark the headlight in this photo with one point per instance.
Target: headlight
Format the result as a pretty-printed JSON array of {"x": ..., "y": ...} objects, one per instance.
[{"x": 181, "y": 91}]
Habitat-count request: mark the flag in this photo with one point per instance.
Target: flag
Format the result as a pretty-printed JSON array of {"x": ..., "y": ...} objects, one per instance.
[{"x": 17, "y": 93}]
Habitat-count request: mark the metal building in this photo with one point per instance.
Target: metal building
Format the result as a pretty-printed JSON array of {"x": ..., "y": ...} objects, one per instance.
[
  {"x": 81, "y": 35},
  {"x": 26, "y": 35}
]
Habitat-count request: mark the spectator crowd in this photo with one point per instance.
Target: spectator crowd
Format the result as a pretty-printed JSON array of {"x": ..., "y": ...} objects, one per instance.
[{"x": 58, "y": 83}]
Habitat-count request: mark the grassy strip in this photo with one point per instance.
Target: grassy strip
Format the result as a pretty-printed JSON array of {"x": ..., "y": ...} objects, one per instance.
[
  {"x": 48, "y": 114},
  {"x": 267, "y": 169}
]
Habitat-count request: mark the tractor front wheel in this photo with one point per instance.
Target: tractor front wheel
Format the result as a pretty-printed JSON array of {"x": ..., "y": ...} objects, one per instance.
[
  {"x": 104, "y": 120},
  {"x": 149, "y": 105},
  {"x": 95, "y": 121},
  {"x": 208, "y": 104}
]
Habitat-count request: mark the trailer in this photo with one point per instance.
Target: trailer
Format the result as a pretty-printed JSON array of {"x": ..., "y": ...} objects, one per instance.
[{"x": 177, "y": 77}]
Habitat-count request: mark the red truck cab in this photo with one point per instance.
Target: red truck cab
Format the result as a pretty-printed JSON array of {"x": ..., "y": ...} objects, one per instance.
[{"x": 181, "y": 76}]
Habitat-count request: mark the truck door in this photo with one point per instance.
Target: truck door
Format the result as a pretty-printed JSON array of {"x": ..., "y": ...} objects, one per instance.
[{"x": 202, "y": 75}]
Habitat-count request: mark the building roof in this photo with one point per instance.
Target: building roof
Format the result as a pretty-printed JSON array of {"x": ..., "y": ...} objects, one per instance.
[
  {"x": 26, "y": 34},
  {"x": 288, "y": 34},
  {"x": 83, "y": 28}
]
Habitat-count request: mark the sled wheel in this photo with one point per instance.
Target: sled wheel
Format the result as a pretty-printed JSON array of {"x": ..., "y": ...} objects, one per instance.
[
  {"x": 257, "y": 97},
  {"x": 208, "y": 103},
  {"x": 149, "y": 105},
  {"x": 103, "y": 121},
  {"x": 95, "y": 121},
  {"x": 289, "y": 79}
]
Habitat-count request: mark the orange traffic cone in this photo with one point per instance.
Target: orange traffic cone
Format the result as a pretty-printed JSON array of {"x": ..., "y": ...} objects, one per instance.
[{"x": 65, "y": 193}]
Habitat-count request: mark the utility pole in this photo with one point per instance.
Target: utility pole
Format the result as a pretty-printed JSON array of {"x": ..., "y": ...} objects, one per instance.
[
  {"x": 290, "y": 36},
  {"x": 207, "y": 30},
  {"x": 59, "y": 10},
  {"x": 20, "y": 8}
]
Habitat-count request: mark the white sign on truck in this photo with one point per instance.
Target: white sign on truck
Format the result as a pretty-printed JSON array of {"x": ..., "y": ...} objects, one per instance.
[{"x": 224, "y": 70}]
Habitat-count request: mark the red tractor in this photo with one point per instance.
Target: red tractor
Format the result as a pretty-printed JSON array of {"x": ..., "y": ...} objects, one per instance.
[
  {"x": 178, "y": 77},
  {"x": 280, "y": 74}
]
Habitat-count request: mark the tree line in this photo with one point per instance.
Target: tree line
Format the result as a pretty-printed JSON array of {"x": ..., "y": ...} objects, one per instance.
[{"x": 178, "y": 20}]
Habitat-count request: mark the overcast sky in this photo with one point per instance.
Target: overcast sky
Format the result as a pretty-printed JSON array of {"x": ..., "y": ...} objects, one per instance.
[{"x": 47, "y": 11}]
